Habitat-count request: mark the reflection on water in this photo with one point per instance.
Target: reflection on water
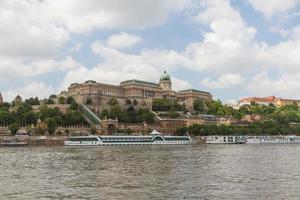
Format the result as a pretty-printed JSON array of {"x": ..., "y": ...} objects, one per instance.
[{"x": 151, "y": 172}]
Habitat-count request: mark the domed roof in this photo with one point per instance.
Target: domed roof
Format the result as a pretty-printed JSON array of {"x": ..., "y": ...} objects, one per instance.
[{"x": 165, "y": 77}]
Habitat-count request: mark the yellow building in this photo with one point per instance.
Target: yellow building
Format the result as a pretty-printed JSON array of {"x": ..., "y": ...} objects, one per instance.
[{"x": 143, "y": 92}]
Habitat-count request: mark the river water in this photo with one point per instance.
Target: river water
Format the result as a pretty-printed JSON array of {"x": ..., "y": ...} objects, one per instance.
[{"x": 151, "y": 172}]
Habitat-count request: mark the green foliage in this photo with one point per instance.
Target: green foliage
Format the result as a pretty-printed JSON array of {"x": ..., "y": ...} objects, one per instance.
[
  {"x": 167, "y": 105},
  {"x": 30, "y": 118},
  {"x": 199, "y": 105},
  {"x": 52, "y": 125},
  {"x": 33, "y": 101},
  {"x": 113, "y": 102},
  {"x": 50, "y": 101},
  {"x": 93, "y": 130},
  {"x": 70, "y": 100},
  {"x": 39, "y": 131},
  {"x": 173, "y": 114},
  {"x": 61, "y": 100},
  {"x": 128, "y": 116},
  {"x": 14, "y": 128},
  {"x": 127, "y": 131}
]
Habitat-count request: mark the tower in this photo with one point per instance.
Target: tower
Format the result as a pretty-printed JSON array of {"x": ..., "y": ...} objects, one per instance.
[{"x": 165, "y": 81}]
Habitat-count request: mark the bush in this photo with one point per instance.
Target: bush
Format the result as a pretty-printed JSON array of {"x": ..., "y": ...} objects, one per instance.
[
  {"x": 39, "y": 131},
  {"x": 14, "y": 128}
]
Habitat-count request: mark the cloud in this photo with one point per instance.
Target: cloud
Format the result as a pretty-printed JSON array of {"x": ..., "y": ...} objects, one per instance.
[
  {"x": 16, "y": 69},
  {"x": 84, "y": 16},
  {"x": 33, "y": 89},
  {"x": 273, "y": 7},
  {"x": 285, "y": 85},
  {"x": 117, "y": 66},
  {"x": 224, "y": 81},
  {"x": 229, "y": 45},
  {"x": 26, "y": 32},
  {"x": 123, "y": 40}
]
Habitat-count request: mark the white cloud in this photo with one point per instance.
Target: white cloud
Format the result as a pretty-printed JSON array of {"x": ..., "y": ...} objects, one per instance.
[
  {"x": 118, "y": 66},
  {"x": 224, "y": 81},
  {"x": 26, "y": 33},
  {"x": 273, "y": 7},
  {"x": 16, "y": 69},
  {"x": 83, "y": 16},
  {"x": 34, "y": 89},
  {"x": 229, "y": 46},
  {"x": 286, "y": 85},
  {"x": 123, "y": 40}
]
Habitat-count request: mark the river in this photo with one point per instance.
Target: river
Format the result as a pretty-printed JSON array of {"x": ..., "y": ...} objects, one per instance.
[{"x": 151, "y": 172}]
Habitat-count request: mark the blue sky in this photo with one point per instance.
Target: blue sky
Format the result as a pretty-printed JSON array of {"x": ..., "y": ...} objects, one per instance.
[{"x": 232, "y": 49}]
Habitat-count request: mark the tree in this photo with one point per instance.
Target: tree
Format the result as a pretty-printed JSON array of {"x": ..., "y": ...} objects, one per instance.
[
  {"x": 199, "y": 105},
  {"x": 112, "y": 101},
  {"x": 30, "y": 118},
  {"x": 61, "y": 100},
  {"x": 51, "y": 124},
  {"x": 89, "y": 101},
  {"x": 14, "y": 128},
  {"x": 39, "y": 131},
  {"x": 4, "y": 117},
  {"x": 33, "y": 101},
  {"x": 128, "y": 102},
  {"x": 70, "y": 100},
  {"x": 93, "y": 130},
  {"x": 50, "y": 101}
]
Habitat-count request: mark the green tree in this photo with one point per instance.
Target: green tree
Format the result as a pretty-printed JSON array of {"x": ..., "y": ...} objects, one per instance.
[
  {"x": 70, "y": 100},
  {"x": 61, "y": 100},
  {"x": 52, "y": 125},
  {"x": 14, "y": 128},
  {"x": 93, "y": 130},
  {"x": 112, "y": 101},
  {"x": 199, "y": 105}
]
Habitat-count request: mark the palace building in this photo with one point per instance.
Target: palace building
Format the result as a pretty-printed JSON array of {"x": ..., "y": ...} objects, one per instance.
[
  {"x": 276, "y": 101},
  {"x": 98, "y": 94}
]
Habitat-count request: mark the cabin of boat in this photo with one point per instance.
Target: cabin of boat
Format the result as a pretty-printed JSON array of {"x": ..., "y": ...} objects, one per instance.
[
  {"x": 290, "y": 139},
  {"x": 217, "y": 139}
]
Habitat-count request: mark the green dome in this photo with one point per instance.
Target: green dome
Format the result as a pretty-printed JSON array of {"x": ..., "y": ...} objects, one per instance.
[{"x": 165, "y": 77}]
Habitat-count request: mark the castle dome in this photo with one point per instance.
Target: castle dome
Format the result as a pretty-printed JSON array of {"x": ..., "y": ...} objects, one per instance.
[{"x": 165, "y": 77}]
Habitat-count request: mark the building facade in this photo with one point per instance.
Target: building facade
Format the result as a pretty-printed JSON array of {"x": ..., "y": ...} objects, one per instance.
[
  {"x": 276, "y": 101},
  {"x": 98, "y": 94}
]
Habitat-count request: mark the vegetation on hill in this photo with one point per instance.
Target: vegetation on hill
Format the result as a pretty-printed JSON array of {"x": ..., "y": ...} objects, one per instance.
[
  {"x": 23, "y": 114},
  {"x": 275, "y": 120},
  {"x": 129, "y": 114},
  {"x": 167, "y": 105}
]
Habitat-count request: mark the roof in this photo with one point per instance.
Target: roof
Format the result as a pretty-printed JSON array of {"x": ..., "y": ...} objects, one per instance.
[
  {"x": 135, "y": 81},
  {"x": 193, "y": 90},
  {"x": 165, "y": 77}
]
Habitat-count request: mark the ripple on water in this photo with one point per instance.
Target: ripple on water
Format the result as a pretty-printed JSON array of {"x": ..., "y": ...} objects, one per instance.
[{"x": 151, "y": 172}]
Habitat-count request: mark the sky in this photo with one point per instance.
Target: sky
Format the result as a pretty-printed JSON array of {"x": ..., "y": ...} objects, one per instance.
[{"x": 231, "y": 48}]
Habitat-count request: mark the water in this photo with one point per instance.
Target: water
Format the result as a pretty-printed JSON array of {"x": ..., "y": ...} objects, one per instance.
[{"x": 151, "y": 172}]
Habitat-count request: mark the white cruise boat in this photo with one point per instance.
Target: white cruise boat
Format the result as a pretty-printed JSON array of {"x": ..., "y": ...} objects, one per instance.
[
  {"x": 273, "y": 140},
  {"x": 217, "y": 139},
  {"x": 153, "y": 138}
]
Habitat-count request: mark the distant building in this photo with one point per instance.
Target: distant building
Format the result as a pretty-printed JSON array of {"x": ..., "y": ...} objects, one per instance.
[
  {"x": 1, "y": 99},
  {"x": 276, "y": 101},
  {"x": 143, "y": 92},
  {"x": 18, "y": 100}
]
